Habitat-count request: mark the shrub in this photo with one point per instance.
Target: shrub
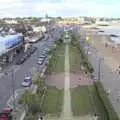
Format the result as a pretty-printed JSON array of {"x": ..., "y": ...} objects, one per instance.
[
  {"x": 30, "y": 117},
  {"x": 34, "y": 108}
]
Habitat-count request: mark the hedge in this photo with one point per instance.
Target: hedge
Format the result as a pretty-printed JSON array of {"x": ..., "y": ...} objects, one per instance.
[{"x": 110, "y": 112}]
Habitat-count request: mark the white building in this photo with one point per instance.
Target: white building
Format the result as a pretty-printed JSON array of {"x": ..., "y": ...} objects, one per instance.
[
  {"x": 39, "y": 29},
  {"x": 43, "y": 29},
  {"x": 45, "y": 20},
  {"x": 81, "y": 20},
  {"x": 103, "y": 22},
  {"x": 11, "y": 21}
]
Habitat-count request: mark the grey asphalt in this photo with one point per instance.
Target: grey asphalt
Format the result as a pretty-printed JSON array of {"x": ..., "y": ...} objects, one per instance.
[
  {"x": 109, "y": 79},
  {"x": 22, "y": 70}
]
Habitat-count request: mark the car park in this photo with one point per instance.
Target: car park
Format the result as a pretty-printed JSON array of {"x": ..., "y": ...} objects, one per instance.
[{"x": 27, "y": 81}]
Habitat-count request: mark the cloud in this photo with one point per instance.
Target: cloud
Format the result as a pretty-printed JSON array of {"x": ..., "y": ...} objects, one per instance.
[
  {"x": 59, "y": 8},
  {"x": 77, "y": 8}
]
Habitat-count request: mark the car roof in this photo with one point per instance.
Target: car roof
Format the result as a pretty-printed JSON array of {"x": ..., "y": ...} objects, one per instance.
[{"x": 28, "y": 77}]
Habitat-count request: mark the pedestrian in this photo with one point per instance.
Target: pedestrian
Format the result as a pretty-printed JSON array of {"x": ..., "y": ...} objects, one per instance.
[
  {"x": 108, "y": 91},
  {"x": 95, "y": 117},
  {"x": 80, "y": 78},
  {"x": 106, "y": 44}
]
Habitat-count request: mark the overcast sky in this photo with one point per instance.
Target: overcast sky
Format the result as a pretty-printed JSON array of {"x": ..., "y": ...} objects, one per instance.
[{"x": 64, "y": 8}]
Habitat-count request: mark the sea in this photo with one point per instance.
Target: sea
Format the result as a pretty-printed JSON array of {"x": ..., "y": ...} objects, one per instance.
[{"x": 111, "y": 30}]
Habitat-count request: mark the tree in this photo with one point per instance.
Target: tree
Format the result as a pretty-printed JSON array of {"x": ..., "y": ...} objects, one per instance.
[
  {"x": 59, "y": 18},
  {"x": 26, "y": 99},
  {"x": 40, "y": 85}
]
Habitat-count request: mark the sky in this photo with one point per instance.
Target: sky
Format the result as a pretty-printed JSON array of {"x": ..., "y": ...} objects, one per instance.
[{"x": 63, "y": 8}]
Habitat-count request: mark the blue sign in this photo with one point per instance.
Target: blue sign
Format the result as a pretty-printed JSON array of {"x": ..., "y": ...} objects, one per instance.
[{"x": 13, "y": 40}]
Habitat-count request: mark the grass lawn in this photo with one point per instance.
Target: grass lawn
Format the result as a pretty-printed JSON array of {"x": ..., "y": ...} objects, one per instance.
[
  {"x": 74, "y": 57},
  {"x": 80, "y": 101},
  {"x": 53, "y": 102},
  {"x": 58, "y": 58},
  {"x": 85, "y": 101}
]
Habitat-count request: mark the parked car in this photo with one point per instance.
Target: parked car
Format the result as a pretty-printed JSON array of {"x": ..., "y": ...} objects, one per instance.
[
  {"x": 42, "y": 56},
  {"x": 32, "y": 50},
  {"x": 26, "y": 56},
  {"x": 20, "y": 61},
  {"x": 7, "y": 109},
  {"x": 43, "y": 52},
  {"x": 27, "y": 81},
  {"x": 40, "y": 61},
  {"x": 6, "y": 113},
  {"x": 46, "y": 49}
]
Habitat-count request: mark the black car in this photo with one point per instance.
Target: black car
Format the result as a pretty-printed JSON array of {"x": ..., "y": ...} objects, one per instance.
[
  {"x": 32, "y": 50},
  {"x": 21, "y": 61}
]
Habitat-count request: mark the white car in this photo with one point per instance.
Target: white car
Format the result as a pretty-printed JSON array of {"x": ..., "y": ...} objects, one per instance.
[
  {"x": 40, "y": 62},
  {"x": 89, "y": 52},
  {"x": 40, "y": 59},
  {"x": 42, "y": 56},
  {"x": 27, "y": 81}
]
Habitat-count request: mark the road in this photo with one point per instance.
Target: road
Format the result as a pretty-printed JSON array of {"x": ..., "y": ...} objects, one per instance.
[{"x": 22, "y": 70}]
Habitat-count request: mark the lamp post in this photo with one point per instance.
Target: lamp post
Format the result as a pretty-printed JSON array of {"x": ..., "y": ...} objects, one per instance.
[{"x": 99, "y": 68}]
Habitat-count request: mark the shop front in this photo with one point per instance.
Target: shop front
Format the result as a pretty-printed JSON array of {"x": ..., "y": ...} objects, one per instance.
[{"x": 12, "y": 50}]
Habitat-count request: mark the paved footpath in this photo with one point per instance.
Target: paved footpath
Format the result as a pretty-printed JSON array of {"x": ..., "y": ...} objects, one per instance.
[
  {"x": 67, "y": 97},
  {"x": 67, "y": 112}
]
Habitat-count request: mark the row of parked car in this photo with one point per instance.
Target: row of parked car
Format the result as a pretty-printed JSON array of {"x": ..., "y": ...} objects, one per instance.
[
  {"x": 29, "y": 52},
  {"x": 28, "y": 79},
  {"x": 42, "y": 56}
]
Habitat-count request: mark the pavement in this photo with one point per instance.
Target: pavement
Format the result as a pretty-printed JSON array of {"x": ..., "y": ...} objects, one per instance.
[
  {"x": 20, "y": 71},
  {"x": 67, "y": 113}
]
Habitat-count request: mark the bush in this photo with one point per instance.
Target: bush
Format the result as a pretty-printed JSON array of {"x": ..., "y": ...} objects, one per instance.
[
  {"x": 85, "y": 62},
  {"x": 34, "y": 108},
  {"x": 30, "y": 117},
  {"x": 110, "y": 112}
]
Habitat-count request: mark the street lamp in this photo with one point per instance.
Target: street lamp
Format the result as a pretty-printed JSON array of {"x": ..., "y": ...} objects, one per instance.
[{"x": 99, "y": 68}]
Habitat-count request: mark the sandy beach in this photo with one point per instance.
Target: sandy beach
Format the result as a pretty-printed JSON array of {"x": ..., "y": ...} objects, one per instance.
[{"x": 111, "y": 53}]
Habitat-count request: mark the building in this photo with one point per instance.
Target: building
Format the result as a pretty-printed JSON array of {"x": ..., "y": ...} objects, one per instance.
[
  {"x": 102, "y": 22},
  {"x": 10, "y": 46},
  {"x": 11, "y": 22}
]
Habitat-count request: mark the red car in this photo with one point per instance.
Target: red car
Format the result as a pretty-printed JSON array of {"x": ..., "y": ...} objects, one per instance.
[{"x": 6, "y": 113}]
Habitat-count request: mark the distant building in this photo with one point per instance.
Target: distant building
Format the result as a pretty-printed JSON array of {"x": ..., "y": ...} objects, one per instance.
[
  {"x": 39, "y": 29},
  {"x": 102, "y": 21},
  {"x": 45, "y": 20},
  {"x": 81, "y": 20},
  {"x": 11, "y": 22}
]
